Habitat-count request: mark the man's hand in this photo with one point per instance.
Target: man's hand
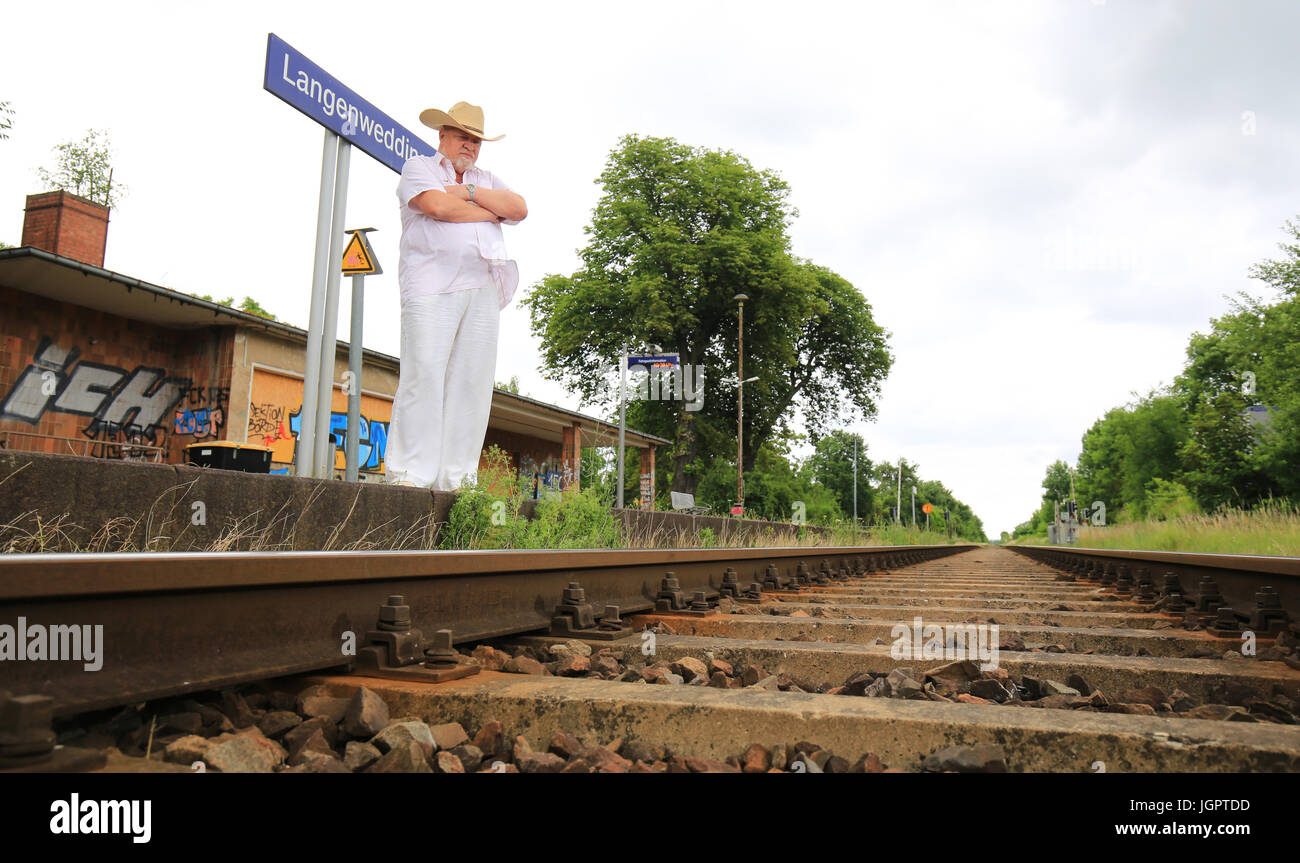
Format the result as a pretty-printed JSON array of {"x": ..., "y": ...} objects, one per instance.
[
  {"x": 447, "y": 206},
  {"x": 504, "y": 204},
  {"x": 462, "y": 192}
]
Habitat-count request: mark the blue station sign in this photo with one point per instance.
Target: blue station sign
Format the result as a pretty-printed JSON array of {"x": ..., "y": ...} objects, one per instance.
[
  {"x": 322, "y": 97},
  {"x": 658, "y": 361}
]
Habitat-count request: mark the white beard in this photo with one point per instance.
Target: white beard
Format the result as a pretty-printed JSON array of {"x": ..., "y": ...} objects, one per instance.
[{"x": 462, "y": 164}]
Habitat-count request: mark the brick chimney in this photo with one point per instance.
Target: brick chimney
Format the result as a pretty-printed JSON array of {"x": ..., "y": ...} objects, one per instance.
[{"x": 67, "y": 225}]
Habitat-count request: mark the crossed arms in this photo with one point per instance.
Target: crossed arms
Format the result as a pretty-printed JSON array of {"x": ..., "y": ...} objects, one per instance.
[{"x": 452, "y": 204}]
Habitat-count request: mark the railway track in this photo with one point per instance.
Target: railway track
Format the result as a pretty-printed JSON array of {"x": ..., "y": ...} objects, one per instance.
[{"x": 932, "y": 658}]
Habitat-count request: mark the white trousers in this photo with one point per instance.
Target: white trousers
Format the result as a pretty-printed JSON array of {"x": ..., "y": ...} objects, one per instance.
[{"x": 444, "y": 390}]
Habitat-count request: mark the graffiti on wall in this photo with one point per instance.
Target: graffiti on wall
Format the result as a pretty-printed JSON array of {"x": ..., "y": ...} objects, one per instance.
[
  {"x": 123, "y": 406},
  {"x": 372, "y": 438},
  {"x": 268, "y": 422},
  {"x": 274, "y": 418},
  {"x": 201, "y": 423},
  {"x": 204, "y": 413},
  {"x": 128, "y": 443}
]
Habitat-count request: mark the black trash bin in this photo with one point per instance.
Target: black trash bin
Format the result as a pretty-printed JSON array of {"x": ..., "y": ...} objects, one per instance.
[{"x": 229, "y": 455}]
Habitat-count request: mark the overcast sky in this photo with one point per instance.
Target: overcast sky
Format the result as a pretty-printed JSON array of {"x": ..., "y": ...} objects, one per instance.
[{"x": 1040, "y": 200}]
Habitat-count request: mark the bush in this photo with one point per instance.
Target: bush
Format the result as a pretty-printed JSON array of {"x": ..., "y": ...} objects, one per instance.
[
  {"x": 486, "y": 514},
  {"x": 1165, "y": 500}
]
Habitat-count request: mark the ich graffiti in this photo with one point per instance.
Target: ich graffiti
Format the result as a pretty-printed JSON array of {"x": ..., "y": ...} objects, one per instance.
[{"x": 134, "y": 404}]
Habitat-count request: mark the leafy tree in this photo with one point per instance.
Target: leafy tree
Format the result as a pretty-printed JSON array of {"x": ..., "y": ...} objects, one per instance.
[
  {"x": 511, "y": 387},
  {"x": 6, "y": 120},
  {"x": 963, "y": 521},
  {"x": 773, "y": 486},
  {"x": 1129, "y": 448},
  {"x": 840, "y": 360},
  {"x": 84, "y": 168},
  {"x": 831, "y": 465},
  {"x": 885, "y": 491},
  {"x": 1057, "y": 483},
  {"x": 1283, "y": 275},
  {"x": 1056, "y": 486},
  {"x": 1192, "y": 445},
  {"x": 1229, "y": 459},
  {"x": 885, "y": 479},
  {"x": 1220, "y": 470},
  {"x": 1166, "y": 499},
  {"x": 249, "y": 305},
  {"x": 676, "y": 234}
]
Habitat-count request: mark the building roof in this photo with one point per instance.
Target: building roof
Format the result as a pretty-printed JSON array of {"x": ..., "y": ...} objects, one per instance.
[
  {"x": 522, "y": 414},
  {"x": 45, "y": 274},
  {"x": 66, "y": 280}
]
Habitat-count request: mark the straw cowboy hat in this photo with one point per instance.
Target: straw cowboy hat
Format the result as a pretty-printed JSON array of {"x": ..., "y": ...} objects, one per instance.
[{"x": 463, "y": 115}]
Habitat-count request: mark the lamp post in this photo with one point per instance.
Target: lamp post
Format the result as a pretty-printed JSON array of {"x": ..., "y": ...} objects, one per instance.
[{"x": 740, "y": 404}]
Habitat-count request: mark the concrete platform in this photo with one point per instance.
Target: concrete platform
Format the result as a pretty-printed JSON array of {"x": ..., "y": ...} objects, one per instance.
[
  {"x": 148, "y": 507},
  {"x": 116, "y": 505}
]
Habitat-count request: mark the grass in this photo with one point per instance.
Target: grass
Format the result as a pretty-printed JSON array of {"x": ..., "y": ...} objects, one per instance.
[{"x": 1272, "y": 529}]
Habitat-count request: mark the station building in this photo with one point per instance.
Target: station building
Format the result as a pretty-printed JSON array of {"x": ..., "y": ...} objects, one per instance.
[{"x": 97, "y": 363}]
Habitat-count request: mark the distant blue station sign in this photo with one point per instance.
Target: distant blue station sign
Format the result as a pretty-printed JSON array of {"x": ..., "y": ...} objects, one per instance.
[
  {"x": 322, "y": 97},
  {"x": 660, "y": 361}
]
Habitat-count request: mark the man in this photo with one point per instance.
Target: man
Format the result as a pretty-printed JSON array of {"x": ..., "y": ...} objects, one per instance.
[{"x": 455, "y": 278}]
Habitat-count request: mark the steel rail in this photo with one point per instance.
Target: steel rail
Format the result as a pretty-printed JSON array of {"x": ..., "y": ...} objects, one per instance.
[
  {"x": 1239, "y": 576},
  {"x": 174, "y": 623}
]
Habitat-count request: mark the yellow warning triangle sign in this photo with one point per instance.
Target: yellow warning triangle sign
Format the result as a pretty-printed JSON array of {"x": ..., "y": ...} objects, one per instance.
[{"x": 358, "y": 259}]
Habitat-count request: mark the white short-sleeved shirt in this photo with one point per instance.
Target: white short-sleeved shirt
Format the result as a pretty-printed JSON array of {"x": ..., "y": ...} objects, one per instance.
[{"x": 440, "y": 257}]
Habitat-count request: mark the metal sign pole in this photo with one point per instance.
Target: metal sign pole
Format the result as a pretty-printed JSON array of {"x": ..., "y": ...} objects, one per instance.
[
  {"x": 353, "y": 451},
  {"x": 622, "y": 423},
  {"x": 305, "y": 452},
  {"x": 329, "y": 336},
  {"x": 358, "y": 262}
]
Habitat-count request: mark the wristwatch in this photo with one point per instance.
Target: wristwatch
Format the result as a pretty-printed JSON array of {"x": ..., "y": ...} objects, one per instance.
[{"x": 470, "y": 186}]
